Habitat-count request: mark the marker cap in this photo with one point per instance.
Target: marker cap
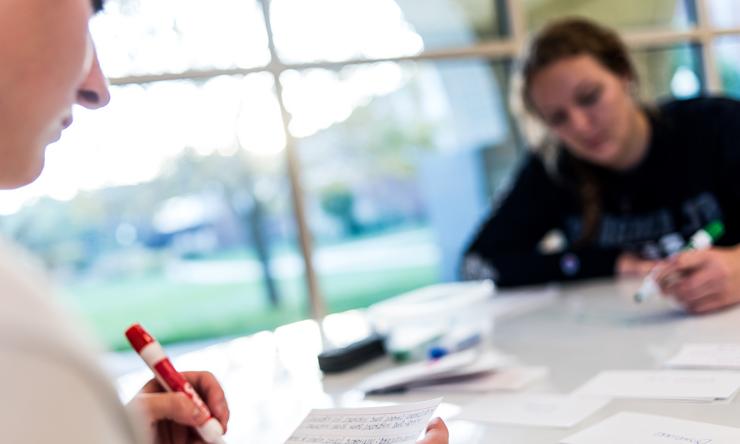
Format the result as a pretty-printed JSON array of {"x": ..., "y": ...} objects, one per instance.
[
  {"x": 437, "y": 352},
  {"x": 139, "y": 337},
  {"x": 715, "y": 229},
  {"x": 211, "y": 431}
]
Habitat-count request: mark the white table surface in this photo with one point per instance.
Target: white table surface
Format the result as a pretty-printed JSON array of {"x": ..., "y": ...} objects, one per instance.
[{"x": 272, "y": 378}]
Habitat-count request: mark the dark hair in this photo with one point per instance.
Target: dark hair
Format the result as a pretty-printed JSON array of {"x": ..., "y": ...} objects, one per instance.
[
  {"x": 571, "y": 37},
  {"x": 97, "y": 5}
]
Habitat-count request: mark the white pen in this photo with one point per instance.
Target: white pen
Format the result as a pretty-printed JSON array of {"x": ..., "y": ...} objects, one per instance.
[{"x": 701, "y": 240}]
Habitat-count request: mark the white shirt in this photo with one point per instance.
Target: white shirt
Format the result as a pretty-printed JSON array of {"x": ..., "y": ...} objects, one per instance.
[{"x": 51, "y": 387}]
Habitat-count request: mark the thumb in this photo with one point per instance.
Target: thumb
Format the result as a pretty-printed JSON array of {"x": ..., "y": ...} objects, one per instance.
[
  {"x": 174, "y": 406},
  {"x": 436, "y": 433}
]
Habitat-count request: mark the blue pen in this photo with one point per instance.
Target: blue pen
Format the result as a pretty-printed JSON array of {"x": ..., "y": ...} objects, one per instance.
[{"x": 452, "y": 344}]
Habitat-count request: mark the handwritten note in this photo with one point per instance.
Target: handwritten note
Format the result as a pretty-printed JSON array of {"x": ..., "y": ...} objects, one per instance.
[
  {"x": 663, "y": 384},
  {"x": 397, "y": 424},
  {"x": 717, "y": 356},
  {"x": 627, "y": 427},
  {"x": 534, "y": 410}
]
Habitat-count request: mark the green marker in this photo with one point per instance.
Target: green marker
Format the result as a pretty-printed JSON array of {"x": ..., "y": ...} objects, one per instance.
[{"x": 701, "y": 240}]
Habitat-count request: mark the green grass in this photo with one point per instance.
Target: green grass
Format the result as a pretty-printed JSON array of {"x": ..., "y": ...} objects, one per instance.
[
  {"x": 181, "y": 312},
  {"x": 177, "y": 311}
]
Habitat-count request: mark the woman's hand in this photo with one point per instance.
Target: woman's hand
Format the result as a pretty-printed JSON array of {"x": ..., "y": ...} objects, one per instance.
[
  {"x": 631, "y": 265},
  {"x": 703, "y": 281},
  {"x": 172, "y": 416},
  {"x": 436, "y": 433}
]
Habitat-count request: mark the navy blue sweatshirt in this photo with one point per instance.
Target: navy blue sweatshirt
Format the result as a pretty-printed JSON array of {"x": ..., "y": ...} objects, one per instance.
[{"x": 690, "y": 176}]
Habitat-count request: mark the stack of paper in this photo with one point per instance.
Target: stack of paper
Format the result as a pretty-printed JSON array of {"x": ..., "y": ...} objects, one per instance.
[
  {"x": 533, "y": 410},
  {"x": 398, "y": 424},
  {"x": 715, "y": 356},
  {"x": 502, "y": 380},
  {"x": 464, "y": 371},
  {"x": 627, "y": 427},
  {"x": 663, "y": 384}
]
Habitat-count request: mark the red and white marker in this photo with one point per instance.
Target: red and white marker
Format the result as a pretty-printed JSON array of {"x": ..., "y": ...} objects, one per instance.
[{"x": 152, "y": 353}]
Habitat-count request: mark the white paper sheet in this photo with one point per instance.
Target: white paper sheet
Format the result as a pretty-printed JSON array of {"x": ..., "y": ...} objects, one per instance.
[
  {"x": 453, "y": 367},
  {"x": 549, "y": 410},
  {"x": 504, "y": 380},
  {"x": 663, "y": 384},
  {"x": 395, "y": 424},
  {"x": 627, "y": 427},
  {"x": 716, "y": 356}
]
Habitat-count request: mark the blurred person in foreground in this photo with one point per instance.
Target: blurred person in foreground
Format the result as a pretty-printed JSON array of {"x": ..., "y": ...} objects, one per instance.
[{"x": 53, "y": 389}]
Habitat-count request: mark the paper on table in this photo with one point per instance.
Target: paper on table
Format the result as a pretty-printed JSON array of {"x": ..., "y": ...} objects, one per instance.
[
  {"x": 663, "y": 384},
  {"x": 627, "y": 427},
  {"x": 506, "y": 379},
  {"x": 396, "y": 424},
  {"x": 455, "y": 366},
  {"x": 718, "y": 356},
  {"x": 548, "y": 410}
]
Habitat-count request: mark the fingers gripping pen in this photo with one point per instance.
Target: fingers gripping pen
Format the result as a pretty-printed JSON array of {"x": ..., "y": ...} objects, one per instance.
[
  {"x": 702, "y": 239},
  {"x": 153, "y": 355}
]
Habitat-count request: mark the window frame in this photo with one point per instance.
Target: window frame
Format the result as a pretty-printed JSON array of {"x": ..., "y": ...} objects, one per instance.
[{"x": 701, "y": 33}]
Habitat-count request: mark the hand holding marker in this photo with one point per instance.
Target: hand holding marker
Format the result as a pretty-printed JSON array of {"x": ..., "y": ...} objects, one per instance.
[
  {"x": 153, "y": 355},
  {"x": 701, "y": 240}
]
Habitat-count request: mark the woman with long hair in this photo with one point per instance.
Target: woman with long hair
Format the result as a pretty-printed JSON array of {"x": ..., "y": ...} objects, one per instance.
[{"x": 626, "y": 184}]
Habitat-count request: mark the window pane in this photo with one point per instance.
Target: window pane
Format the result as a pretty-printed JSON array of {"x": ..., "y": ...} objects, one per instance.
[
  {"x": 394, "y": 158},
  {"x": 171, "y": 36},
  {"x": 334, "y": 30},
  {"x": 164, "y": 218},
  {"x": 728, "y": 64},
  {"x": 674, "y": 71},
  {"x": 625, "y": 14},
  {"x": 724, "y": 13}
]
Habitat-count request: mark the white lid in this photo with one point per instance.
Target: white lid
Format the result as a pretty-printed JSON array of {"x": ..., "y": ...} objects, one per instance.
[
  {"x": 211, "y": 431},
  {"x": 701, "y": 240}
]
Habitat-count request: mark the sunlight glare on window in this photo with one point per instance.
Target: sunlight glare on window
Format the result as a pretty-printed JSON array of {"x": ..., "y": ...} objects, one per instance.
[
  {"x": 324, "y": 97},
  {"x": 144, "y": 126},
  {"x": 310, "y": 31},
  {"x": 168, "y": 36},
  {"x": 259, "y": 125}
]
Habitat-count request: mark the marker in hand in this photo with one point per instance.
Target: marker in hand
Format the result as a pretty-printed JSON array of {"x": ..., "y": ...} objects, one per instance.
[
  {"x": 701, "y": 240},
  {"x": 153, "y": 355}
]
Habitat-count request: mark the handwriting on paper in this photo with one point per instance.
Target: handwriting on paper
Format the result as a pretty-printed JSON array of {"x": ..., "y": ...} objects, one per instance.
[
  {"x": 400, "y": 439},
  {"x": 629, "y": 427},
  {"x": 367, "y": 422},
  {"x": 682, "y": 439},
  {"x": 397, "y": 424}
]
